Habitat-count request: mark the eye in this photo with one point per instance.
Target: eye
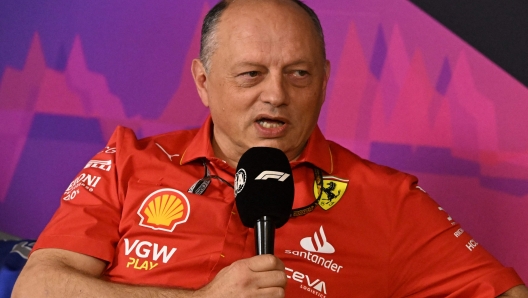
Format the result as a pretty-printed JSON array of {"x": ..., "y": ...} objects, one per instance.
[
  {"x": 300, "y": 77},
  {"x": 249, "y": 78},
  {"x": 300, "y": 73},
  {"x": 251, "y": 74}
]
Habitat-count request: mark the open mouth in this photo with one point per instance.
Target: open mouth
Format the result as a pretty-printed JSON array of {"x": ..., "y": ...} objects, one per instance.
[{"x": 269, "y": 123}]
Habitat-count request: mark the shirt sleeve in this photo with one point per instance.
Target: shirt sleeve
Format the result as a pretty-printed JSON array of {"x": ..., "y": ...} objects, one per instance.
[
  {"x": 87, "y": 220},
  {"x": 431, "y": 254}
]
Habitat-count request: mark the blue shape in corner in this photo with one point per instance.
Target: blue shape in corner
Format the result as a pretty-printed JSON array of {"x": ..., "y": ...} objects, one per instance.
[
  {"x": 422, "y": 158},
  {"x": 66, "y": 128},
  {"x": 444, "y": 78},
  {"x": 379, "y": 54},
  {"x": 441, "y": 161},
  {"x": 56, "y": 149},
  {"x": 13, "y": 257},
  {"x": 515, "y": 187}
]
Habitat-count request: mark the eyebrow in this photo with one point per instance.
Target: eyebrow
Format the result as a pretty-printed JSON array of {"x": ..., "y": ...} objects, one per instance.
[
  {"x": 299, "y": 61},
  {"x": 294, "y": 63},
  {"x": 247, "y": 63}
]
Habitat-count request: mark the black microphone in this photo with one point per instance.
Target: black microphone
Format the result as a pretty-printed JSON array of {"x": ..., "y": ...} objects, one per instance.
[{"x": 264, "y": 193}]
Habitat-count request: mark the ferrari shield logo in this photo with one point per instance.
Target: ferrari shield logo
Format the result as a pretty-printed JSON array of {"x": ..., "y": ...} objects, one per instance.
[{"x": 333, "y": 189}]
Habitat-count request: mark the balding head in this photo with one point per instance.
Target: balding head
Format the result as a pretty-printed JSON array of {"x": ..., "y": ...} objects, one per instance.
[{"x": 208, "y": 43}]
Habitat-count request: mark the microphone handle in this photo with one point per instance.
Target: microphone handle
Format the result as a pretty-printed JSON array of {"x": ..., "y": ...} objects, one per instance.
[{"x": 264, "y": 235}]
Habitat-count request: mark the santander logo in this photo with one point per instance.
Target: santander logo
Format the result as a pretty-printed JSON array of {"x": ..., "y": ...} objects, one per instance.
[{"x": 317, "y": 243}]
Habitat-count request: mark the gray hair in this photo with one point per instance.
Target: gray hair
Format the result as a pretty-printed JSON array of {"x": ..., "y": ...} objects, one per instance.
[{"x": 208, "y": 42}]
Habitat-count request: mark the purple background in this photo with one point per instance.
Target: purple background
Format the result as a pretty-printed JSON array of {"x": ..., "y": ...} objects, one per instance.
[{"x": 404, "y": 92}]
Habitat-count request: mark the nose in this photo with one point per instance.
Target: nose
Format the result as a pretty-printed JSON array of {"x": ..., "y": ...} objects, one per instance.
[{"x": 274, "y": 91}]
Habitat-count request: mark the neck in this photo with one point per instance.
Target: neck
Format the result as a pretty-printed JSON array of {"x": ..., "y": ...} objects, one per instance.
[{"x": 230, "y": 159}]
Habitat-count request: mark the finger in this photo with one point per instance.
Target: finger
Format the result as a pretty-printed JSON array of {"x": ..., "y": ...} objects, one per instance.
[
  {"x": 265, "y": 263},
  {"x": 271, "y": 279},
  {"x": 276, "y": 292}
]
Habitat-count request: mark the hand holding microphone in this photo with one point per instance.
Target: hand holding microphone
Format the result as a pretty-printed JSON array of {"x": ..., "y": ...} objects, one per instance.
[{"x": 264, "y": 196}]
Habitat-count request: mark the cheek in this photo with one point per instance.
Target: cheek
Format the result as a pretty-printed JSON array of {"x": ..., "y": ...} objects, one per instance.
[
  {"x": 310, "y": 103},
  {"x": 241, "y": 101}
]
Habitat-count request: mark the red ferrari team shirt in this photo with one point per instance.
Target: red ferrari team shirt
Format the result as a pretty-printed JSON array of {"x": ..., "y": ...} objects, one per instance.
[{"x": 374, "y": 232}]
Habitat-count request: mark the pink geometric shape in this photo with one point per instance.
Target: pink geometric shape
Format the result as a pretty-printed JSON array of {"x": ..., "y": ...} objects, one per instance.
[
  {"x": 19, "y": 89},
  {"x": 481, "y": 110},
  {"x": 350, "y": 80},
  {"x": 394, "y": 72},
  {"x": 92, "y": 87},
  {"x": 409, "y": 122},
  {"x": 56, "y": 97},
  {"x": 397, "y": 58},
  {"x": 185, "y": 108},
  {"x": 390, "y": 90}
]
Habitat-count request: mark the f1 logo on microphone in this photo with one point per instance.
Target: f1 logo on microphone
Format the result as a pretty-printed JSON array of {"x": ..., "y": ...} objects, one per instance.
[{"x": 265, "y": 175}]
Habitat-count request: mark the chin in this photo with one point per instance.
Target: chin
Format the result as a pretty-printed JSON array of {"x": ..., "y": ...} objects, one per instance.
[{"x": 283, "y": 147}]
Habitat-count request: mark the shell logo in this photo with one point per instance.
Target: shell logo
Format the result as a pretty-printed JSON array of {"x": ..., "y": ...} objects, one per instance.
[{"x": 164, "y": 209}]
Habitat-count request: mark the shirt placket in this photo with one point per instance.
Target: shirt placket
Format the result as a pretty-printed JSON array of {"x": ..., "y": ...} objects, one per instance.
[{"x": 236, "y": 233}]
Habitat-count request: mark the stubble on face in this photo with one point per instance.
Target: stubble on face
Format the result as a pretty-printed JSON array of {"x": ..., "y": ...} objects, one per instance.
[{"x": 267, "y": 79}]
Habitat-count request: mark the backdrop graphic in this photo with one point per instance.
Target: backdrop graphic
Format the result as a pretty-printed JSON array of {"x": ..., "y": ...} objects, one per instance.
[{"x": 404, "y": 92}]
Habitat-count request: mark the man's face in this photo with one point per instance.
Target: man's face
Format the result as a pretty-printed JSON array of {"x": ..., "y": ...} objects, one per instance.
[{"x": 267, "y": 80}]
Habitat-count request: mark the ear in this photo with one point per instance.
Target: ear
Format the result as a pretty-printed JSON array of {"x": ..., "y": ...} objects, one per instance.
[
  {"x": 326, "y": 77},
  {"x": 200, "y": 79},
  {"x": 327, "y": 72}
]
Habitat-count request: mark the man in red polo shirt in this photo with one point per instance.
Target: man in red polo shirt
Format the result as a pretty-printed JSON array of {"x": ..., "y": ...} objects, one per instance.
[{"x": 156, "y": 217}]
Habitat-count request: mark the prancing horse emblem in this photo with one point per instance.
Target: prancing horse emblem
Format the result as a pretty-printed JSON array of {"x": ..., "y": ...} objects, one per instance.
[{"x": 332, "y": 190}]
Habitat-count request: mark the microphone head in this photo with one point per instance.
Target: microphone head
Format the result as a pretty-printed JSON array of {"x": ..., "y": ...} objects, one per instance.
[{"x": 264, "y": 186}]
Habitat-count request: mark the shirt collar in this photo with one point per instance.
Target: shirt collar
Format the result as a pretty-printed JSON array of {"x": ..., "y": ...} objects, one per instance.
[
  {"x": 317, "y": 152},
  {"x": 200, "y": 145}
]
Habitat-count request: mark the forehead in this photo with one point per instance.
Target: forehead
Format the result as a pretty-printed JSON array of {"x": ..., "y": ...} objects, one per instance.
[{"x": 253, "y": 27}]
